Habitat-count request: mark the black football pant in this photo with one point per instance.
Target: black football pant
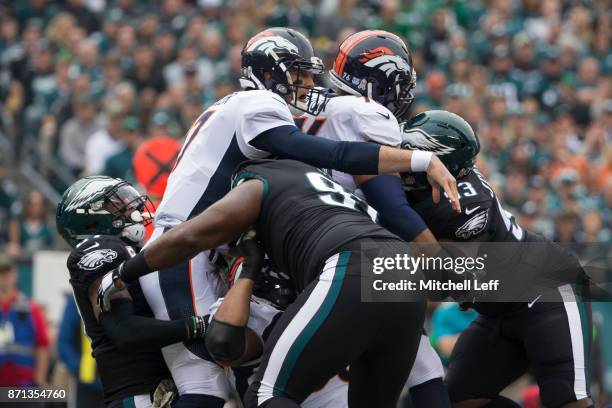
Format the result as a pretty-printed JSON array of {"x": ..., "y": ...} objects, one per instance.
[
  {"x": 329, "y": 327},
  {"x": 552, "y": 340}
]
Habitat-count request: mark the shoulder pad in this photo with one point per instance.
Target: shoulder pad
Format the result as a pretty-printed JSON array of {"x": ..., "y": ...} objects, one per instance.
[{"x": 95, "y": 256}]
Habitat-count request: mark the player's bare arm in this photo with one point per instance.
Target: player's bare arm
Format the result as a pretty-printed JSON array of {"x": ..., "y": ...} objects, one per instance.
[
  {"x": 228, "y": 340},
  {"x": 222, "y": 222}
]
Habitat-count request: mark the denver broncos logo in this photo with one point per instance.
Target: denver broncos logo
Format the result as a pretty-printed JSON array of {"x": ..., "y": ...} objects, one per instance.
[
  {"x": 376, "y": 52},
  {"x": 95, "y": 259},
  {"x": 383, "y": 59},
  {"x": 269, "y": 43}
]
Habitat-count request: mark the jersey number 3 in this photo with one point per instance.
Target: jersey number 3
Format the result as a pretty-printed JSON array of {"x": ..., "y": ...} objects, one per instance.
[{"x": 335, "y": 194}]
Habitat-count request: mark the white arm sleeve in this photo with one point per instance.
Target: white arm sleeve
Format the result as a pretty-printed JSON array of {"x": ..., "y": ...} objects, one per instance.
[{"x": 260, "y": 111}]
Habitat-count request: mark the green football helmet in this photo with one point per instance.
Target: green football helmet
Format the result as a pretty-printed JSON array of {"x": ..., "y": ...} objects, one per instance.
[
  {"x": 100, "y": 205},
  {"x": 446, "y": 135}
]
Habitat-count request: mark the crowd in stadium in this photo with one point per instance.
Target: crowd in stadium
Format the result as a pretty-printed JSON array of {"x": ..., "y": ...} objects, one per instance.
[{"x": 83, "y": 83}]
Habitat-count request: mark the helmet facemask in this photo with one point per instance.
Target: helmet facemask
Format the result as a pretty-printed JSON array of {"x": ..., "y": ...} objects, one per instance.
[
  {"x": 281, "y": 82},
  {"x": 313, "y": 100},
  {"x": 399, "y": 97},
  {"x": 131, "y": 211}
]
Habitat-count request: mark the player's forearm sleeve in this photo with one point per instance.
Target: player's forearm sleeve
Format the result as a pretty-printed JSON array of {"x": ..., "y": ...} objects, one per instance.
[
  {"x": 130, "y": 332},
  {"x": 386, "y": 194},
  {"x": 135, "y": 267},
  {"x": 288, "y": 142}
]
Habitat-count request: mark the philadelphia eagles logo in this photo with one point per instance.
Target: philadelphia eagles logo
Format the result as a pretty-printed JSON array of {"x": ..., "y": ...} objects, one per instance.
[
  {"x": 268, "y": 44},
  {"x": 416, "y": 139},
  {"x": 95, "y": 259},
  {"x": 383, "y": 59},
  {"x": 473, "y": 226}
]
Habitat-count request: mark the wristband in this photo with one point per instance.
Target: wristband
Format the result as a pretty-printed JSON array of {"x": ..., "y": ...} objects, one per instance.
[
  {"x": 134, "y": 268},
  {"x": 196, "y": 327},
  {"x": 420, "y": 160}
]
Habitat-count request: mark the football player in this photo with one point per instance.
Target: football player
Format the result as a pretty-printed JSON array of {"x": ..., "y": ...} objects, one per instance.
[
  {"x": 102, "y": 218},
  {"x": 278, "y": 66},
  {"x": 373, "y": 79},
  {"x": 551, "y": 338},
  {"x": 314, "y": 229},
  {"x": 272, "y": 293}
]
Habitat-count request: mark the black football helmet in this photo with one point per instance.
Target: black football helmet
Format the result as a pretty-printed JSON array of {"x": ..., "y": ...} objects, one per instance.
[
  {"x": 445, "y": 134},
  {"x": 277, "y": 51},
  {"x": 100, "y": 205},
  {"x": 376, "y": 64},
  {"x": 271, "y": 287}
]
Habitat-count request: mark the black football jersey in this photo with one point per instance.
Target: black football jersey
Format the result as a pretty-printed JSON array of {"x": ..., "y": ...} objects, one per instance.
[
  {"x": 306, "y": 217},
  {"x": 482, "y": 215},
  {"x": 122, "y": 374}
]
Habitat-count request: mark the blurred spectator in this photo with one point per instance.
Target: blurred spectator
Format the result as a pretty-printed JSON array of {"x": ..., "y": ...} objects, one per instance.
[
  {"x": 514, "y": 193},
  {"x": 331, "y": 21},
  {"x": 87, "y": 19},
  {"x": 500, "y": 82},
  {"x": 437, "y": 46},
  {"x": 9, "y": 205},
  {"x": 74, "y": 349},
  {"x": 119, "y": 165},
  {"x": 534, "y": 79},
  {"x": 447, "y": 323},
  {"x": 34, "y": 232},
  {"x": 24, "y": 341},
  {"x": 76, "y": 132},
  {"x": 293, "y": 13},
  {"x": 592, "y": 229},
  {"x": 566, "y": 227},
  {"x": 105, "y": 142},
  {"x": 144, "y": 72},
  {"x": 435, "y": 85},
  {"x": 41, "y": 10}
]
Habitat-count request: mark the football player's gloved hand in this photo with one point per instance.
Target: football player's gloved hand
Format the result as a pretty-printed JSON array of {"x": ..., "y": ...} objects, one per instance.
[
  {"x": 111, "y": 283},
  {"x": 254, "y": 257}
]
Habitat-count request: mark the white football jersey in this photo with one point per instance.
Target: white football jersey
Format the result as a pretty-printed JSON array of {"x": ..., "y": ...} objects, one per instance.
[
  {"x": 216, "y": 143},
  {"x": 353, "y": 119}
]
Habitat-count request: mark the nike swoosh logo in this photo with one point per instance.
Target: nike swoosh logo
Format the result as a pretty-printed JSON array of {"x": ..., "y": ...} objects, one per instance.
[
  {"x": 384, "y": 115},
  {"x": 469, "y": 211},
  {"x": 97, "y": 244},
  {"x": 533, "y": 301}
]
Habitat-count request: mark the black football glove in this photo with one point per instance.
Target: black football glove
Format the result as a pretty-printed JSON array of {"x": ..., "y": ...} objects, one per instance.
[{"x": 254, "y": 257}]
